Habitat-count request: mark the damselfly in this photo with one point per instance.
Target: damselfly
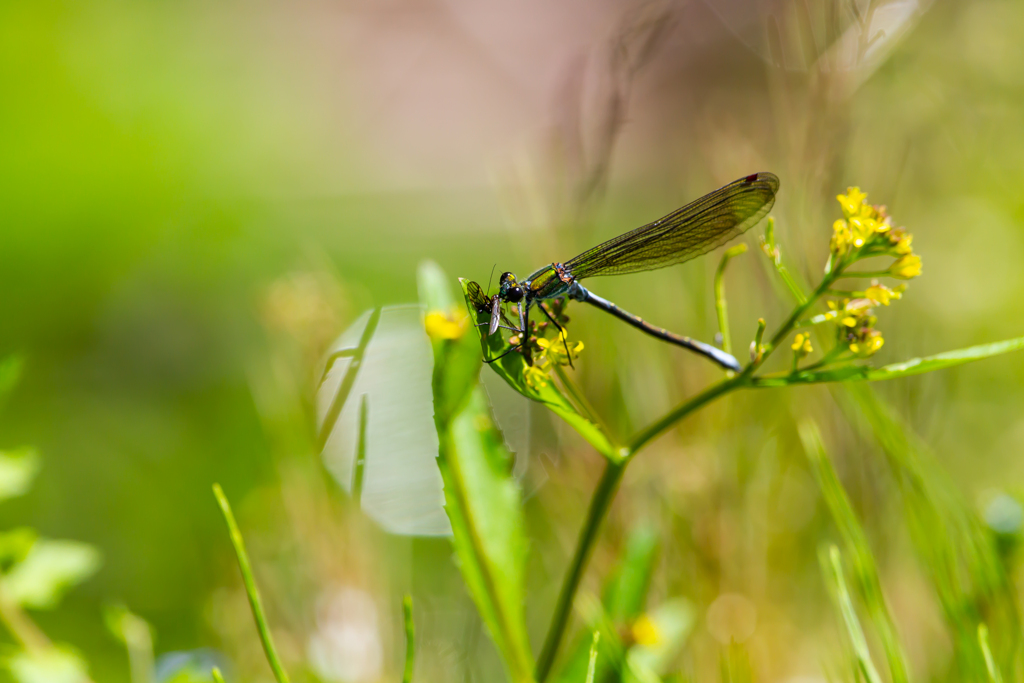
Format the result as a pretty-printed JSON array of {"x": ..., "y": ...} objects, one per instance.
[{"x": 690, "y": 231}]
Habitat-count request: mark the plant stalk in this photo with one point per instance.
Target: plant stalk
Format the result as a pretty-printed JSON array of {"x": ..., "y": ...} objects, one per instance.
[
  {"x": 599, "y": 504},
  {"x": 250, "y": 587}
]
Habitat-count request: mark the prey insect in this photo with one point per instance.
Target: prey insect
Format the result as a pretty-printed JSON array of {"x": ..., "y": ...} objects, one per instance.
[{"x": 686, "y": 233}]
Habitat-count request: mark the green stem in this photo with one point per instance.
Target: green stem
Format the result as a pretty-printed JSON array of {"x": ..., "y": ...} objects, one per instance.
[
  {"x": 721, "y": 308},
  {"x": 614, "y": 470},
  {"x": 677, "y": 414},
  {"x": 410, "y": 639},
  {"x": 217, "y": 676},
  {"x": 250, "y": 586},
  {"x": 798, "y": 313},
  {"x": 599, "y": 505},
  {"x": 877, "y": 273}
]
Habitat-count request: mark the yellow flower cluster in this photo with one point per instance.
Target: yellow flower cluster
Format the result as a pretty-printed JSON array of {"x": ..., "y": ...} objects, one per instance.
[
  {"x": 856, "y": 324},
  {"x": 552, "y": 352},
  {"x": 866, "y": 230},
  {"x": 881, "y": 294},
  {"x": 802, "y": 345}
]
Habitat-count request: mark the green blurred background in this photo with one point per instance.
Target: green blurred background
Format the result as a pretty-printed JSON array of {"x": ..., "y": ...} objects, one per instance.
[{"x": 197, "y": 197}]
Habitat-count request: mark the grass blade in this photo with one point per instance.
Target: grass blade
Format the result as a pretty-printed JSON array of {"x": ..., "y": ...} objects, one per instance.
[
  {"x": 849, "y": 614},
  {"x": 410, "y": 639},
  {"x": 993, "y": 671},
  {"x": 865, "y": 571},
  {"x": 592, "y": 665},
  {"x": 953, "y": 546},
  {"x": 250, "y": 586}
]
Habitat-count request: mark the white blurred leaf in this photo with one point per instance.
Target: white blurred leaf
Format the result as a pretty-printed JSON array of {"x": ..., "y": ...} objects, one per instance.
[
  {"x": 48, "y": 571},
  {"x": 401, "y": 485},
  {"x": 17, "y": 470}
]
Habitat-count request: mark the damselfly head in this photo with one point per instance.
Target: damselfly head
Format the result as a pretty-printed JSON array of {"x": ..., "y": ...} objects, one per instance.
[{"x": 509, "y": 289}]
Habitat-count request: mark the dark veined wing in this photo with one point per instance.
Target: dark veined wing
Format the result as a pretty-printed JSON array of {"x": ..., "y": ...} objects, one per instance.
[
  {"x": 695, "y": 229},
  {"x": 481, "y": 302},
  {"x": 489, "y": 305}
]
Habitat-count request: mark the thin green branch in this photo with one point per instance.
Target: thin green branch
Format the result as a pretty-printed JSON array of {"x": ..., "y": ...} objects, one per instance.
[
  {"x": 875, "y": 273},
  {"x": 217, "y": 676},
  {"x": 677, "y": 414},
  {"x": 592, "y": 664},
  {"x": 360, "y": 464},
  {"x": 721, "y": 308},
  {"x": 773, "y": 252},
  {"x": 410, "y": 639},
  {"x": 994, "y": 676},
  {"x": 599, "y": 504},
  {"x": 250, "y": 586}
]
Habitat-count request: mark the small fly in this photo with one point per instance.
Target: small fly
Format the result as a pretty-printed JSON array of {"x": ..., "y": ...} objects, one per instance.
[{"x": 686, "y": 233}]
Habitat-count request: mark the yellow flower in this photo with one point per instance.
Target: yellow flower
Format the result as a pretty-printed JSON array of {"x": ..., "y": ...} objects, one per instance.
[
  {"x": 841, "y": 237},
  {"x": 536, "y": 375},
  {"x": 906, "y": 267},
  {"x": 802, "y": 345},
  {"x": 441, "y": 325},
  {"x": 555, "y": 350},
  {"x": 867, "y": 343},
  {"x": 881, "y": 294},
  {"x": 851, "y": 201},
  {"x": 902, "y": 241},
  {"x": 645, "y": 631}
]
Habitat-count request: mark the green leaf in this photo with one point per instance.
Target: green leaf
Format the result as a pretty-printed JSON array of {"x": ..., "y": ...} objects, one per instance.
[
  {"x": 626, "y": 591},
  {"x": 952, "y": 543},
  {"x": 53, "y": 665},
  {"x": 592, "y": 663},
  {"x": 915, "y": 366},
  {"x": 834, "y": 568},
  {"x": 483, "y": 503},
  {"x": 511, "y": 368},
  {"x": 17, "y": 470},
  {"x": 482, "y": 498},
  {"x": 48, "y": 571},
  {"x": 865, "y": 572},
  {"x": 994, "y": 676}
]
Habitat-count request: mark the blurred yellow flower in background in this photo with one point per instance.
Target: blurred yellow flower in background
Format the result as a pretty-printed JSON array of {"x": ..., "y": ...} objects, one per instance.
[{"x": 442, "y": 325}]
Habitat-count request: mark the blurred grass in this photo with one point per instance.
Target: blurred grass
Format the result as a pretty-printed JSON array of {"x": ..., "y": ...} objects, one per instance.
[{"x": 164, "y": 163}]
